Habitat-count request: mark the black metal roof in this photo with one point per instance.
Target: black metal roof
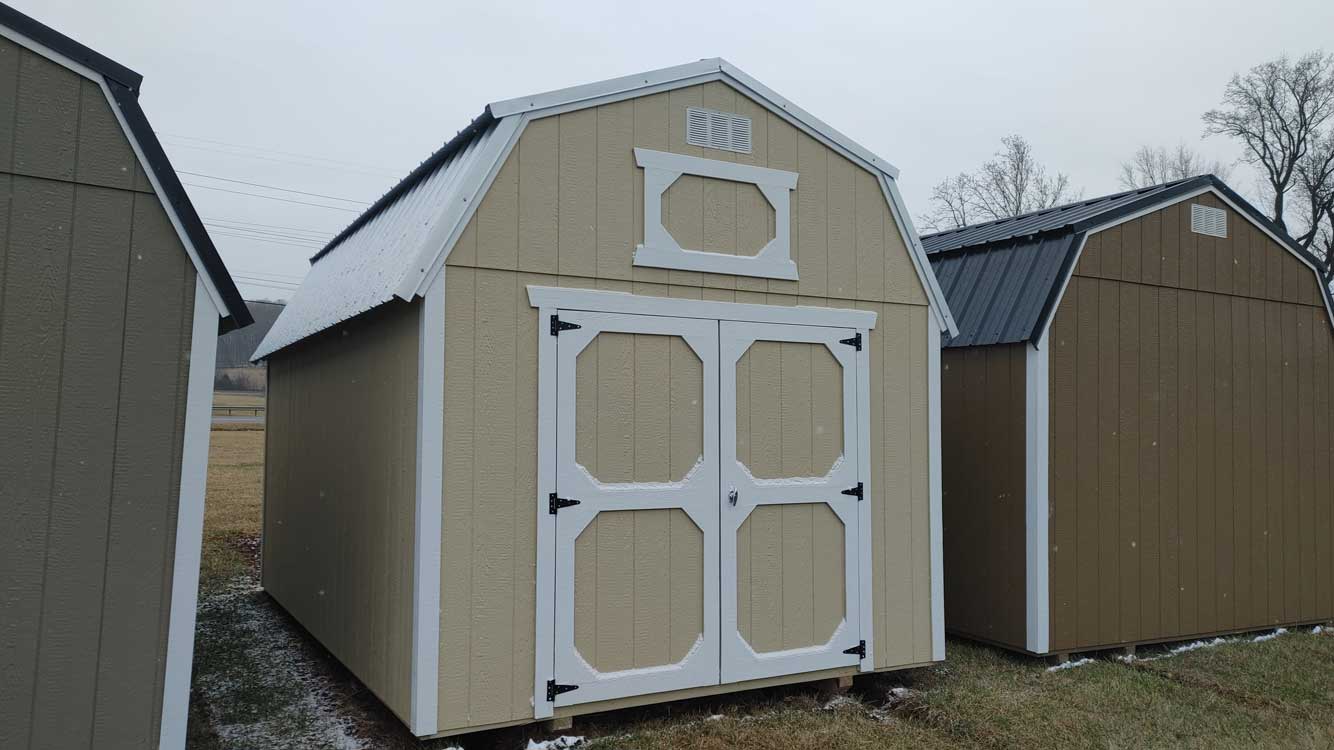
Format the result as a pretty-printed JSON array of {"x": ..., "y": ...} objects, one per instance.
[
  {"x": 124, "y": 86},
  {"x": 1001, "y": 278}
]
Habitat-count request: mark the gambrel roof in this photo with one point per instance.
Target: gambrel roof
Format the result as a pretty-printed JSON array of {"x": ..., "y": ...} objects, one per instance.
[
  {"x": 398, "y": 245},
  {"x": 1003, "y": 279},
  {"x": 121, "y": 86}
]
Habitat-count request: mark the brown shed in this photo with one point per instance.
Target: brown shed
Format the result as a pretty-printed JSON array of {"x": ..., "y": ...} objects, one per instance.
[
  {"x": 1136, "y": 423},
  {"x": 626, "y": 395},
  {"x": 111, "y": 300}
]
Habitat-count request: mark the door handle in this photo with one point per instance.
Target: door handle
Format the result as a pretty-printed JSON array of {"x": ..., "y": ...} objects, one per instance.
[{"x": 732, "y": 497}]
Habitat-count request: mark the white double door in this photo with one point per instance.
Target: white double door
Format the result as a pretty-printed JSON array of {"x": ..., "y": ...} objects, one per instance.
[{"x": 706, "y": 503}]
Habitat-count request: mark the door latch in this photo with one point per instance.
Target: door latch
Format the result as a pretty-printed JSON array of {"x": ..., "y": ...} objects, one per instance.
[{"x": 732, "y": 497}]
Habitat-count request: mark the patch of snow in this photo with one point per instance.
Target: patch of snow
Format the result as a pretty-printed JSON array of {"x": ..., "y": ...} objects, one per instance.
[
  {"x": 1070, "y": 665},
  {"x": 1269, "y": 636},
  {"x": 840, "y": 702},
  {"x": 560, "y": 743},
  {"x": 239, "y": 618},
  {"x": 716, "y": 717},
  {"x": 1317, "y": 630},
  {"x": 1196, "y": 645}
]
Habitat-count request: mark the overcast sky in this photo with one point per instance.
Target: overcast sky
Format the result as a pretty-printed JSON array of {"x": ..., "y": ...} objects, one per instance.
[{"x": 342, "y": 99}]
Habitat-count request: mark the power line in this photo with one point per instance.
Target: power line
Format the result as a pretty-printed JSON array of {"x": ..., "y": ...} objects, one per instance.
[
  {"x": 276, "y": 276},
  {"x": 277, "y": 151},
  {"x": 261, "y": 276},
  {"x": 320, "y": 232},
  {"x": 273, "y": 187},
  {"x": 273, "y": 198},
  {"x": 270, "y": 286},
  {"x": 375, "y": 172},
  {"x": 314, "y": 241},
  {"x": 271, "y": 240}
]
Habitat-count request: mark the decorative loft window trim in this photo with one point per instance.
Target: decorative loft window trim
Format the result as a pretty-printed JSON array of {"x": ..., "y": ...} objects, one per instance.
[{"x": 661, "y": 250}]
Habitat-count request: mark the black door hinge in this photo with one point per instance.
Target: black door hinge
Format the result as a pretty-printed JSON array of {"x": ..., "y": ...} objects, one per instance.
[
  {"x": 854, "y": 491},
  {"x": 855, "y": 342},
  {"x": 556, "y": 503},
  {"x": 859, "y": 650},
  {"x": 554, "y": 690},
  {"x": 558, "y": 325}
]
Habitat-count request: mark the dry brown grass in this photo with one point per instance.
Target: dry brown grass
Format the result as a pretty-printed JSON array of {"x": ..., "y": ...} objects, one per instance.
[
  {"x": 1278, "y": 693},
  {"x": 237, "y": 398}
]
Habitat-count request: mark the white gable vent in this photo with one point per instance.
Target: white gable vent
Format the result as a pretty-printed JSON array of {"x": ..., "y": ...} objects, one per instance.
[
  {"x": 710, "y": 129},
  {"x": 1208, "y": 220}
]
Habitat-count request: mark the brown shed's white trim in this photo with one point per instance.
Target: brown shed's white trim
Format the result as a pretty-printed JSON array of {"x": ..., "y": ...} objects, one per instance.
[{"x": 189, "y": 521}]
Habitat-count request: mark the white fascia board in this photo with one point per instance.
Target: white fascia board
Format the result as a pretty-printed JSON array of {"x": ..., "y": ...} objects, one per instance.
[
  {"x": 429, "y": 511},
  {"x": 935, "y": 514},
  {"x": 636, "y": 304},
  {"x": 189, "y": 521},
  {"x": 100, "y": 80},
  {"x": 679, "y": 76},
  {"x": 473, "y": 184},
  {"x": 1036, "y": 506},
  {"x": 908, "y": 233}
]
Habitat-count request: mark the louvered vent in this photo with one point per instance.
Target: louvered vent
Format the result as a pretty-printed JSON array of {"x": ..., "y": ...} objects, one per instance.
[
  {"x": 721, "y": 130},
  {"x": 1208, "y": 220}
]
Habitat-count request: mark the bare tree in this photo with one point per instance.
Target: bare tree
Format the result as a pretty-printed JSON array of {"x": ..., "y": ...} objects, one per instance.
[
  {"x": 1154, "y": 166},
  {"x": 1314, "y": 178},
  {"x": 1011, "y": 183},
  {"x": 1277, "y": 110},
  {"x": 949, "y": 204}
]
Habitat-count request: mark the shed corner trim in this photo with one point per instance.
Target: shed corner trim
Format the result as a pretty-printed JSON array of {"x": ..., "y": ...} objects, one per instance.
[
  {"x": 1036, "y": 513},
  {"x": 427, "y": 528}
]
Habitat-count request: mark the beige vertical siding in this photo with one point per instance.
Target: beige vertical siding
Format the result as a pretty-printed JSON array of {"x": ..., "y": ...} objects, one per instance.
[
  {"x": 96, "y": 309},
  {"x": 984, "y": 487},
  {"x": 569, "y": 200},
  {"x": 490, "y": 465},
  {"x": 340, "y": 492},
  {"x": 1190, "y": 437}
]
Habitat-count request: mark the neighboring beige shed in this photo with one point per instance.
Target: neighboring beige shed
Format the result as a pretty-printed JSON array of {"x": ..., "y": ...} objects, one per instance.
[
  {"x": 111, "y": 299},
  {"x": 627, "y": 394}
]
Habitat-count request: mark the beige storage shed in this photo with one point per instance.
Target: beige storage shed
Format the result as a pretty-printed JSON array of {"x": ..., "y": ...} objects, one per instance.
[
  {"x": 111, "y": 300},
  {"x": 627, "y": 394},
  {"x": 1136, "y": 423}
]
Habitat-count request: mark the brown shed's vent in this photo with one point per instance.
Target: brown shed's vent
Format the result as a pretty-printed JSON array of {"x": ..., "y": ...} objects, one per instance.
[
  {"x": 1208, "y": 220},
  {"x": 721, "y": 130}
]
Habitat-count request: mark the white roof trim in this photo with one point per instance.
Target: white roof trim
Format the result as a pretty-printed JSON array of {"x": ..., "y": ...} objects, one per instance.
[
  {"x": 680, "y": 76},
  {"x": 1320, "y": 282},
  {"x": 918, "y": 254},
  {"x": 100, "y": 80}
]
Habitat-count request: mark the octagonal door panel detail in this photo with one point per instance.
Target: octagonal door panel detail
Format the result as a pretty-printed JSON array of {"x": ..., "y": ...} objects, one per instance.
[
  {"x": 637, "y": 579},
  {"x": 788, "y": 531}
]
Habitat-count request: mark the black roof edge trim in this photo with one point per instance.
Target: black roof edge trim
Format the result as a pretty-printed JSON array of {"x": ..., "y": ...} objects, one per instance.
[
  {"x": 58, "y": 42},
  {"x": 460, "y": 139},
  {"x": 237, "y": 314}
]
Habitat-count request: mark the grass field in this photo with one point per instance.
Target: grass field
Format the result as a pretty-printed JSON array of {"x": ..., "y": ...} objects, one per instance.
[
  {"x": 260, "y": 682},
  {"x": 237, "y": 398}
]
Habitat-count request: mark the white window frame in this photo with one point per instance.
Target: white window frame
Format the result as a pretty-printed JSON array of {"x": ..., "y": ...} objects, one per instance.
[{"x": 660, "y": 248}]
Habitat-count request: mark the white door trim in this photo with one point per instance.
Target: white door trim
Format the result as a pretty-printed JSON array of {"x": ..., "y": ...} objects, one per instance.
[
  {"x": 696, "y": 494},
  {"x": 637, "y": 304},
  {"x": 739, "y": 660},
  {"x": 189, "y": 520}
]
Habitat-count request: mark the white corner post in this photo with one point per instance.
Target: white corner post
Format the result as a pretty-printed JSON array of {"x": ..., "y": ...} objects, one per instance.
[
  {"x": 189, "y": 520},
  {"x": 428, "y": 515},
  {"x": 933, "y": 344},
  {"x": 1036, "y": 431}
]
